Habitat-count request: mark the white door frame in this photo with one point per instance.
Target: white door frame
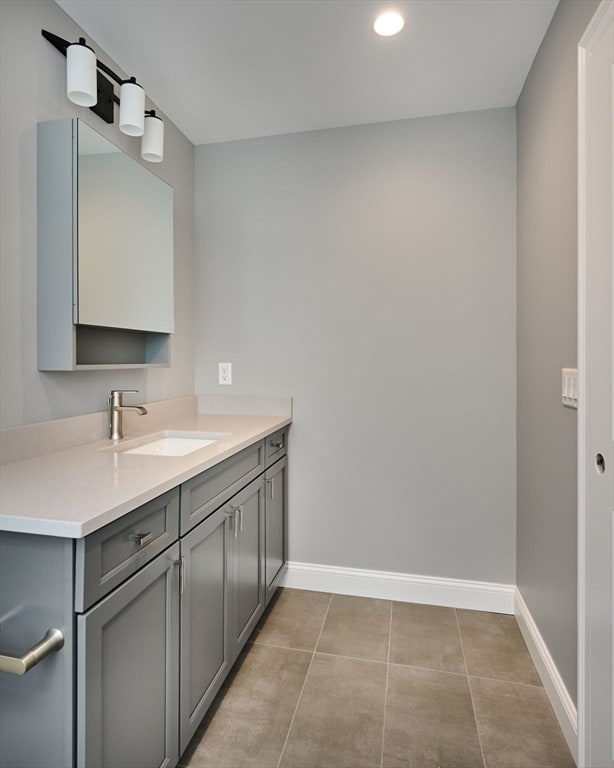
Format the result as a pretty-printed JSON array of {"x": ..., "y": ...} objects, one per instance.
[{"x": 595, "y": 425}]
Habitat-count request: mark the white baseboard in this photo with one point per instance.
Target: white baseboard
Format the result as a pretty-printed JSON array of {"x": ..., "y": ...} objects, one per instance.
[
  {"x": 562, "y": 704},
  {"x": 405, "y": 587}
]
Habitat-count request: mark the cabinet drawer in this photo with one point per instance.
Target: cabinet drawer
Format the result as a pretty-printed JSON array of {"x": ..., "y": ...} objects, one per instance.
[
  {"x": 204, "y": 493},
  {"x": 107, "y": 557},
  {"x": 276, "y": 446}
]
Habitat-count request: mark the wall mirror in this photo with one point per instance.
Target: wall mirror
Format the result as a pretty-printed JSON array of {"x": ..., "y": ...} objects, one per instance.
[{"x": 124, "y": 240}]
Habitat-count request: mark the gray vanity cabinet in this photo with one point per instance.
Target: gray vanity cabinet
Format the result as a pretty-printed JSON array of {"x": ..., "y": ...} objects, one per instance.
[
  {"x": 276, "y": 477},
  {"x": 203, "y": 494},
  {"x": 127, "y": 685},
  {"x": 222, "y": 599},
  {"x": 246, "y": 562},
  {"x": 155, "y": 608},
  {"x": 205, "y": 646}
]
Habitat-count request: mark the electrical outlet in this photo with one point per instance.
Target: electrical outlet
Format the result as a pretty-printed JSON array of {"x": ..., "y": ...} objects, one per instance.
[{"x": 224, "y": 373}]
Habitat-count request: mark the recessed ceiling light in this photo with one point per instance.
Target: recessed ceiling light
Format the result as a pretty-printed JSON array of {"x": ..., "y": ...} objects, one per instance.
[{"x": 389, "y": 24}]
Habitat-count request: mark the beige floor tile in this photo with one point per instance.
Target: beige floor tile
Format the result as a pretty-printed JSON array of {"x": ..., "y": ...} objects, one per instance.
[
  {"x": 340, "y": 718},
  {"x": 358, "y": 627},
  {"x": 339, "y": 721},
  {"x": 429, "y": 721},
  {"x": 249, "y": 721},
  {"x": 517, "y": 726},
  {"x": 295, "y": 620},
  {"x": 426, "y": 636},
  {"x": 495, "y": 648}
]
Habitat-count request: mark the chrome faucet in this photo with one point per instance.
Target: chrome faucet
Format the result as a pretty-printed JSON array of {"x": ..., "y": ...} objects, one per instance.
[{"x": 116, "y": 407}]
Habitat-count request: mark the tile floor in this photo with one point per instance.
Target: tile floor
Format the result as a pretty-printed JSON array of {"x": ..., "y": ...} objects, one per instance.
[{"x": 331, "y": 681}]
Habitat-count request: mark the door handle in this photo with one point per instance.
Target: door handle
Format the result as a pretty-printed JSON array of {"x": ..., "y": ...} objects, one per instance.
[
  {"x": 234, "y": 511},
  {"x": 600, "y": 463},
  {"x": 181, "y": 564}
]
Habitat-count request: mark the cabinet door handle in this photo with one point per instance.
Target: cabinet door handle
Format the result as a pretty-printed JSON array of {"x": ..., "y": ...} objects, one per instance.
[
  {"x": 240, "y": 511},
  {"x": 271, "y": 487},
  {"x": 234, "y": 511},
  {"x": 142, "y": 539},
  {"x": 19, "y": 665},
  {"x": 181, "y": 564}
]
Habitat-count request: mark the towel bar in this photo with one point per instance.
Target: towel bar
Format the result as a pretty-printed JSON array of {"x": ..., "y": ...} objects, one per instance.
[{"x": 19, "y": 665}]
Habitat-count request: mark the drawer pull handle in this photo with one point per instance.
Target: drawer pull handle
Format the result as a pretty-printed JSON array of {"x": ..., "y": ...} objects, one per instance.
[
  {"x": 142, "y": 539},
  {"x": 278, "y": 444},
  {"x": 19, "y": 665}
]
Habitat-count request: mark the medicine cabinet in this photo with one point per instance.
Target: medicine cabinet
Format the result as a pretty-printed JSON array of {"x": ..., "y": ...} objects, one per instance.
[{"x": 105, "y": 254}]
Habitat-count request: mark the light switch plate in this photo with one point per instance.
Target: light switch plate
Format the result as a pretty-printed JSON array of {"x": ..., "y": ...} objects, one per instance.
[{"x": 569, "y": 384}]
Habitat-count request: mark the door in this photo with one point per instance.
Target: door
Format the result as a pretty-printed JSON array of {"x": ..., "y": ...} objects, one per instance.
[
  {"x": 127, "y": 656},
  {"x": 205, "y": 621},
  {"x": 275, "y": 530},
  {"x": 595, "y": 415},
  {"x": 247, "y": 588}
]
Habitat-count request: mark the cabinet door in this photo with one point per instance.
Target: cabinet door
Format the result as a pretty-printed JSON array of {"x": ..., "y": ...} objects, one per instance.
[
  {"x": 247, "y": 590},
  {"x": 36, "y": 593},
  {"x": 127, "y": 656},
  {"x": 275, "y": 538},
  {"x": 205, "y": 646}
]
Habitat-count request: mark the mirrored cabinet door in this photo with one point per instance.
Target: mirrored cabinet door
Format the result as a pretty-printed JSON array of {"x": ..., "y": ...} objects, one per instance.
[
  {"x": 105, "y": 254},
  {"x": 125, "y": 239}
]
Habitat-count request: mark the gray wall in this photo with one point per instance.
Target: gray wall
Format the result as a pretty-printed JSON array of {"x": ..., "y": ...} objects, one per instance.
[
  {"x": 547, "y": 288},
  {"x": 32, "y": 89},
  {"x": 369, "y": 272}
]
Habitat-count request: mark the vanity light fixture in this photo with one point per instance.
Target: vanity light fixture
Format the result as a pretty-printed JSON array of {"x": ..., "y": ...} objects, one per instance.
[
  {"x": 81, "y": 74},
  {"x": 152, "y": 143},
  {"x": 89, "y": 83},
  {"x": 131, "y": 108},
  {"x": 388, "y": 24}
]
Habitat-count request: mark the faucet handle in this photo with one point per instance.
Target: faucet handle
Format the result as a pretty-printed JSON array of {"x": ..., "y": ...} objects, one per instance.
[{"x": 117, "y": 395}]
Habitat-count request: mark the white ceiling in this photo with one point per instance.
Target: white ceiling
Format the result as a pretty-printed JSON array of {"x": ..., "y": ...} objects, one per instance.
[{"x": 233, "y": 69}]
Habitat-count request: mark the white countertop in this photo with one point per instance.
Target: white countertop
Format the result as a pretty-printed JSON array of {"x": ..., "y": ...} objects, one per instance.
[{"x": 73, "y": 492}]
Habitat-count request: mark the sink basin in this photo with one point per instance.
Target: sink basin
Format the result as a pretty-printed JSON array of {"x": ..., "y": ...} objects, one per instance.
[
  {"x": 171, "y": 446},
  {"x": 170, "y": 443}
]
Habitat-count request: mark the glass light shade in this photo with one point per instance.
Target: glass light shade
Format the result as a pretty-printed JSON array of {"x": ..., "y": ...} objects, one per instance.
[
  {"x": 152, "y": 143},
  {"x": 389, "y": 24},
  {"x": 81, "y": 75},
  {"x": 131, "y": 108}
]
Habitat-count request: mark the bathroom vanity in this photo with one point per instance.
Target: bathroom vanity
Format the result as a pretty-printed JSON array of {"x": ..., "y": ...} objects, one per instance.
[{"x": 155, "y": 602}]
